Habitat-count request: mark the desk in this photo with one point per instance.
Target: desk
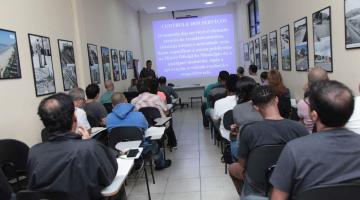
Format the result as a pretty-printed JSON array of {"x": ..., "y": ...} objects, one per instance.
[
  {"x": 124, "y": 167},
  {"x": 123, "y": 146},
  {"x": 187, "y": 91},
  {"x": 155, "y": 133},
  {"x": 162, "y": 121},
  {"x": 96, "y": 130}
]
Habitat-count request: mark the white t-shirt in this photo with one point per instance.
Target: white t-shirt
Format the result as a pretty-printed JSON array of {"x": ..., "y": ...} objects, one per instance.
[
  {"x": 256, "y": 78},
  {"x": 220, "y": 108},
  {"x": 354, "y": 122},
  {"x": 81, "y": 119}
]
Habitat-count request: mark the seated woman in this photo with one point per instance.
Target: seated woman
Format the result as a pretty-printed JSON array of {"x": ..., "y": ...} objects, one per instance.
[
  {"x": 243, "y": 112},
  {"x": 276, "y": 83}
]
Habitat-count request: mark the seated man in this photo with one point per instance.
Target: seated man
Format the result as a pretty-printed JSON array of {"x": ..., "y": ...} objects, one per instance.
[
  {"x": 106, "y": 97},
  {"x": 225, "y": 104},
  {"x": 133, "y": 87},
  {"x": 95, "y": 111},
  {"x": 328, "y": 157},
  {"x": 68, "y": 163},
  {"x": 123, "y": 115},
  {"x": 166, "y": 89},
  {"x": 272, "y": 130},
  {"x": 78, "y": 97}
]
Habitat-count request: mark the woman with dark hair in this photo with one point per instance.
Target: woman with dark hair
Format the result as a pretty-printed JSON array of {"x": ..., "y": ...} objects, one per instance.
[
  {"x": 243, "y": 112},
  {"x": 282, "y": 92}
]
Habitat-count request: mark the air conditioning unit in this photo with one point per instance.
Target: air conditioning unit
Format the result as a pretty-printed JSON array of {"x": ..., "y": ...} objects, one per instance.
[{"x": 183, "y": 14}]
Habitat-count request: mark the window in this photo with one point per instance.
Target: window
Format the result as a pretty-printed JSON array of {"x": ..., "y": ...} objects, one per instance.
[{"x": 254, "y": 17}]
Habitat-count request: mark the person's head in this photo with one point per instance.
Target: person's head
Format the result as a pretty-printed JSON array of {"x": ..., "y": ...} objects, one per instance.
[
  {"x": 153, "y": 85},
  {"x": 78, "y": 97},
  {"x": 331, "y": 104},
  {"x": 264, "y": 98},
  {"x": 231, "y": 83},
  {"x": 148, "y": 64},
  {"x": 57, "y": 113},
  {"x": 315, "y": 75},
  {"x": 109, "y": 85},
  {"x": 223, "y": 76},
  {"x": 162, "y": 80},
  {"x": 240, "y": 71},
  {"x": 253, "y": 69},
  {"x": 244, "y": 88},
  {"x": 118, "y": 98},
  {"x": 276, "y": 82},
  {"x": 264, "y": 76},
  {"x": 92, "y": 91},
  {"x": 142, "y": 86},
  {"x": 133, "y": 82}
]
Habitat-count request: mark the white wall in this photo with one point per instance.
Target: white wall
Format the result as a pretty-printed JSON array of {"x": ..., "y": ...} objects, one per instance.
[
  {"x": 277, "y": 13},
  {"x": 110, "y": 23},
  {"x": 148, "y": 37}
]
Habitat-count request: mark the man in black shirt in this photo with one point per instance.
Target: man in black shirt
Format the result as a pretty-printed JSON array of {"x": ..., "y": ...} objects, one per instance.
[
  {"x": 148, "y": 72},
  {"x": 272, "y": 130},
  {"x": 327, "y": 157},
  {"x": 68, "y": 163}
]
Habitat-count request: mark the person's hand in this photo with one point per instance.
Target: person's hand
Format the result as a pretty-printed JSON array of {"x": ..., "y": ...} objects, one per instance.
[{"x": 84, "y": 133}]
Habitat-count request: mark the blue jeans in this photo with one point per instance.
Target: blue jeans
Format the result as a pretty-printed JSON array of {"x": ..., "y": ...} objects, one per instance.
[
  {"x": 158, "y": 155},
  {"x": 234, "y": 148}
]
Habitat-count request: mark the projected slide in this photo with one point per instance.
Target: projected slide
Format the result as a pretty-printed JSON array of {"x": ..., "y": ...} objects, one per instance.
[{"x": 194, "y": 47}]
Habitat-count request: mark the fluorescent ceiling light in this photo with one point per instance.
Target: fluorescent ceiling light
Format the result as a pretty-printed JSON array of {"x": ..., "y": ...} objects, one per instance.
[
  {"x": 209, "y": 2},
  {"x": 161, "y": 8}
]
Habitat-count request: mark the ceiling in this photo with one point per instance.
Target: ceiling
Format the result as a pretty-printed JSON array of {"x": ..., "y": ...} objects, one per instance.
[{"x": 151, "y": 6}]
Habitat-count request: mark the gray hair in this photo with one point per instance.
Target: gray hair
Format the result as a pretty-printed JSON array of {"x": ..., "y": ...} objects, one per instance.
[{"x": 77, "y": 94}]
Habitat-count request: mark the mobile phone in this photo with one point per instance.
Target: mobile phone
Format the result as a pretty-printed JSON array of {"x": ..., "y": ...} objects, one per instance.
[{"x": 132, "y": 153}]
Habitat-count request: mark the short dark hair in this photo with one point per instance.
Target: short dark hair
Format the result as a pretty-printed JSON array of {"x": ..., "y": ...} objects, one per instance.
[
  {"x": 223, "y": 76},
  {"x": 148, "y": 61},
  {"x": 333, "y": 102},
  {"x": 240, "y": 70},
  {"x": 264, "y": 75},
  {"x": 162, "y": 80},
  {"x": 262, "y": 95},
  {"x": 244, "y": 88},
  {"x": 153, "y": 85},
  {"x": 56, "y": 112},
  {"x": 92, "y": 91},
  {"x": 231, "y": 82},
  {"x": 253, "y": 68},
  {"x": 142, "y": 86}
]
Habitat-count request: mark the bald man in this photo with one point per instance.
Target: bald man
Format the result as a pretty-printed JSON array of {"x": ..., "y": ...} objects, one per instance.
[
  {"x": 106, "y": 97},
  {"x": 315, "y": 75}
]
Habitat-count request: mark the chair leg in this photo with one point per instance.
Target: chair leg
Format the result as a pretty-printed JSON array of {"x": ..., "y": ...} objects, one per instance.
[
  {"x": 147, "y": 183},
  {"x": 225, "y": 168},
  {"x": 152, "y": 171}
]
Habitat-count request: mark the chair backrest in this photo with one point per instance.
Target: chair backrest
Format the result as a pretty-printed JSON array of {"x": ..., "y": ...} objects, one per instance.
[
  {"x": 130, "y": 95},
  {"x": 150, "y": 113},
  {"x": 5, "y": 188},
  {"x": 348, "y": 191},
  {"x": 260, "y": 160},
  {"x": 13, "y": 154},
  {"x": 121, "y": 134},
  {"x": 228, "y": 120},
  {"x": 108, "y": 107},
  {"x": 216, "y": 94}
]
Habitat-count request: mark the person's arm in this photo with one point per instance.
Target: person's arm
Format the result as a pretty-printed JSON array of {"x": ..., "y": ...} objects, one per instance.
[
  {"x": 173, "y": 93},
  {"x": 103, "y": 114},
  {"x": 279, "y": 195}
]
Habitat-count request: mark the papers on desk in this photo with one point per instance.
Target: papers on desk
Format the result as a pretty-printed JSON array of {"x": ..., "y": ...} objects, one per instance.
[
  {"x": 124, "y": 167},
  {"x": 96, "y": 130},
  {"x": 161, "y": 121},
  {"x": 155, "y": 133},
  {"x": 124, "y": 146}
]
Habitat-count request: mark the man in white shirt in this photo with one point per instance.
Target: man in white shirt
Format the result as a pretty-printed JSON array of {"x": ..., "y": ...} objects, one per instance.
[
  {"x": 225, "y": 104},
  {"x": 253, "y": 73},
  {"x": 78, "y": 97},
  {"x": 354, "y": 122}
]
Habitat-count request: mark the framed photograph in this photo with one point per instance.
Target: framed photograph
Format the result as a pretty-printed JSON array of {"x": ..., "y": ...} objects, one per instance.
[
  {"x": 322, "y": 39},
  {"x": 105, "y": 58},
  {"x": 246, "y": 53},
  {"x": 251, "y": 53},
  {"x": 42, "y": 64},
  {"x": 301, "y": 45},
  {"x": 94, "y": 63},
  {"x": 115, "y": 64},
  {"x": 285, "y": 48},
  {"x": 274, "y": 60},
  {"x": 264, "y": 53},
  {"x": 67, "y": 61},
  {"x": 352, "y": 24},
  {"x": 257, "y": 53},
  {"x": 9, "y": 55},
  {"x": 129, "y": 59},
  {"x": 123, "y": 64}
]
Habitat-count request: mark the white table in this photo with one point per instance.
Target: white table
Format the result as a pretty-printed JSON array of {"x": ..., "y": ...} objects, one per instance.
[
  {"x": 96, "y": 130},
  {"x": 124, "y": 167},
  {"x": 187, "y": 91},
  {"x": 124, "y": 146},
  {"x": 162, "y": 121},
  {"x": 135, "y": 157},
  {"x": 155, "y": 133}
]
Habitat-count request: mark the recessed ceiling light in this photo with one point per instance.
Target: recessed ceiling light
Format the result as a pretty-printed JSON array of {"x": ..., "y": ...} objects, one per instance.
[
  {"x": 161, "y": 8},
  {"x": 209, "y": 2}
]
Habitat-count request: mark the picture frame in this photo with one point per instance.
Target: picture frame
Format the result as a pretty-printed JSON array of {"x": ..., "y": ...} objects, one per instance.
[
  {"x": 301, "y": 45},
  {"x": 285, "y": 48},
  {"x": 67, "y": 64},
  {"x": 93, "y": 63},
  {"x": 9, "y": 55},
  {"x": 257, "y": 53},
  {"x": 246, "y": 52},
  {"x": 42, "y": 64},
  {"x": 115, "y": 64},
  {"x": 123, "y": 65},
  {"x": 251, "y": 52},
  {"x": 274, "y": 59},
  {"x": 264, "y": 52},
  {"x": 352, "y": 24},
  {"x": 129, "y": 59},
  {"x": 322, "y": 39},
  {"x": 105, "y": 58}
]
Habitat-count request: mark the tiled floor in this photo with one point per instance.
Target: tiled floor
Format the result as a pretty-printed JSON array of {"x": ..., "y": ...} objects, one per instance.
[{"x": 196, "y": 172}]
